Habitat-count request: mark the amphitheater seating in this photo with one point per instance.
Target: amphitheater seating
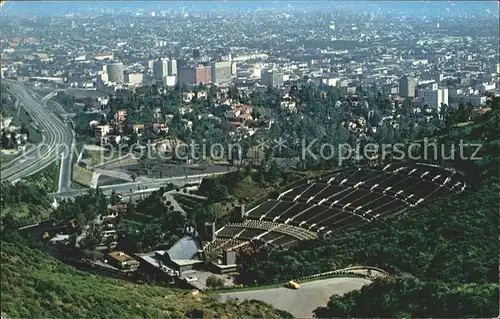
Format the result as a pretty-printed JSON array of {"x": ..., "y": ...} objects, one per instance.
[
  {"x": 262, "y": 209},
  {"x": 338, "y": 201},
  {"x": 366, "y": 199},
  {"x": 295, "y": 210},
  {"x": 306, "y": 215},
  {"x": 314, "y": 189},
  {"x": 329, "y": 215},
  {"x": 278, "y": 210},
  {"x": 327, "y": 193},
  {"x": 339, "y": 196},
  {"x": 290, "y": 196},
  {"x": 270, "y": 236},
  {"x": 250, "y": 233},
  {"x": 229, "y": 231}
]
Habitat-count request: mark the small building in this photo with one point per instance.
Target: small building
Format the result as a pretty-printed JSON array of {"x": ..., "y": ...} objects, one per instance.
[
  {"x": 185, "y": 255},
  {"x": 102, "y": 131},
  {"x": 123, "y": 261}
]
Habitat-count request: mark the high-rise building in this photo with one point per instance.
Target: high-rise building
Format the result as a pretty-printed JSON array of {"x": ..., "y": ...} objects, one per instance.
[
  {"x": 115, "y": 72},
  {"x": 196, "y": 54},
  {"x": 272, "y": 78},
  {"x": 189, "y": 75},
  {"x": 160, "y": 69},
  {"x": 203, "y": 74},
  {"x": 434, "y": 97},
  {"x": 407, "y": 86},
  {"x": 233, "y": 68},
  {"x": 133, "y": 77},
  {"x": 222, "y": 72},
  {"x": 172, "y": 67}
]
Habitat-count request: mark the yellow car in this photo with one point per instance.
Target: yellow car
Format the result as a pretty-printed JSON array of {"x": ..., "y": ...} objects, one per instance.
[{"x": 293, "y": 285}]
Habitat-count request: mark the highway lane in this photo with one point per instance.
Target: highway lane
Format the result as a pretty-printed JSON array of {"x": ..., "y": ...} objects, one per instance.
[
  {"x": 57, "y": 136},
  {"x": 66, "y": 156}
]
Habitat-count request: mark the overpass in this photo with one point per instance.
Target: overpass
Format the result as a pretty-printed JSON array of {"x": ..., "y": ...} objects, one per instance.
[{"x": 138, "y": 187}]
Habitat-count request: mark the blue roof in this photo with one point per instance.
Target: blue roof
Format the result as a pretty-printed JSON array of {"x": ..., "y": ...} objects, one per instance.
[{"x": 186, "y": 248}]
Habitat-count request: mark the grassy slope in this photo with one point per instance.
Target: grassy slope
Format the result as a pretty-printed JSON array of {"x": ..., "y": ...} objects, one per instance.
[{"x": 36, "y": 285}]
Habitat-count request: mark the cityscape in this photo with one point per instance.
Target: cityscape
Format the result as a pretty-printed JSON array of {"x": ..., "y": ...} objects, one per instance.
[{"x": 249, "y": 159}]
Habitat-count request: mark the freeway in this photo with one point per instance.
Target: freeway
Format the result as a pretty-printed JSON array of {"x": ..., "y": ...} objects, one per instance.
[{"x": 57, "y": 139}]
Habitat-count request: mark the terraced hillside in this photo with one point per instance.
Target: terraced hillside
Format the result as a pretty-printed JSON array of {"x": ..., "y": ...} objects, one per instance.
[{"x": 339, "y": 201}]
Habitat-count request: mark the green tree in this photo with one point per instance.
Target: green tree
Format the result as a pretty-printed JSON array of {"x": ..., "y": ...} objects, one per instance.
[{"x": 215, "y": 282}]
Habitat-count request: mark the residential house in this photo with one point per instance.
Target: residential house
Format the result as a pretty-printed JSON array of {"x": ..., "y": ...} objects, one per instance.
[
  {"x": 167, "y": 144},
  {"x": 244, "y": 117},
  {"x": 188, "y": 125},
  {"x": 101, "y": 131},
  {"x": 5, "y": 122},
  {"x": 121, "y": 116},
  {"x": 160, "y": 128},
  {"x": 188, "y": 96},
  {"x": 202, "y": 95},
  {"x": 123, "y": 261},
  {"x": 138, "y": 128}
]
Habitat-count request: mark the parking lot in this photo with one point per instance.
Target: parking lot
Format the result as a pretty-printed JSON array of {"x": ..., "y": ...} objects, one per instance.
[{"x": 303, "y": 301}]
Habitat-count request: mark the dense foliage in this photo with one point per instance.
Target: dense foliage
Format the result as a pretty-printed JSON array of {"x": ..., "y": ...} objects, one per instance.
[
  {"x": 404, "y": 297},
  {"x": 36, "y": 285},
  {"x": 22, "y": 204}
]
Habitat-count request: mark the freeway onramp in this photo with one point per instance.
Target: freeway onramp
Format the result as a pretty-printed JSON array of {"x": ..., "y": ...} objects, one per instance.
[{"x": 301, "y": 303}]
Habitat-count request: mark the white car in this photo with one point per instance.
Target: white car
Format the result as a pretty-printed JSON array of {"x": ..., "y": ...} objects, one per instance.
[{"x": 191, "y": 278}]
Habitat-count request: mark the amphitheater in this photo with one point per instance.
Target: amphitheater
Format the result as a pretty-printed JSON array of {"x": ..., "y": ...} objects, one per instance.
[{"x": 338, "y": 201}]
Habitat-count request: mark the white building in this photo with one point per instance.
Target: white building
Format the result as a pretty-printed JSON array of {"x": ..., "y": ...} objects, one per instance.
[
  {"x": 434, "y": 97},
  {"x": 486, "y": 87},
  {"x": 170, "y": 80},
  {"x": 101, "y": 131},
  {"x": 134, "y": 78},
  {"x": 474, "y": 100}
]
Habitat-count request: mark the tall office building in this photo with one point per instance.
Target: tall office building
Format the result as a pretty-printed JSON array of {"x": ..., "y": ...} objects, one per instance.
[
  {"x": 196, "y": 54},
  {"x": 434, "y": 97},
  {"x": 407, "y": 87},
  {"x": 115, "y": 72},
  {"x": 272, "y": 78},
  {"x": 233, "y": 68},
  {"x": 189, "y": 75},
  {"x": 160, "y": 69},
  {"x": 172, "y": 67},
  {"x": 222, "y": 72}
]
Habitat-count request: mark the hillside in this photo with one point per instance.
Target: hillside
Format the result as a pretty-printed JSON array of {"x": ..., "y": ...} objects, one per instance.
[
  {"x": 36, "y": 285},
  {"x": 442, "y": 255}
]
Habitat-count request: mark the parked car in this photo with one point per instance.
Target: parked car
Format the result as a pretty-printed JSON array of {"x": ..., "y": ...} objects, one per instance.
[
  {"x": 293, "y": 285},
  {"x": 191, "y": 278}
]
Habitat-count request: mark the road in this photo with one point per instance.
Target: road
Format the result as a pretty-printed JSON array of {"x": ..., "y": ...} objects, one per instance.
[
  {"x": 301, "y": 303},
  {"x": 144, "y": 187},
  {"x": 57, "y": 139}
]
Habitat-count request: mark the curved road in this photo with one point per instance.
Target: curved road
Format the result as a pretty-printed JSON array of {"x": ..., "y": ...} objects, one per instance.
[
  {"x": 302, "y": 302},
  {"x": 57, "y": 139}
]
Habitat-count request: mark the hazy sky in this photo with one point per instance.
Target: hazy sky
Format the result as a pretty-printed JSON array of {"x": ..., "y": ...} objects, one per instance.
[{"x": 76, "y": 6}]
